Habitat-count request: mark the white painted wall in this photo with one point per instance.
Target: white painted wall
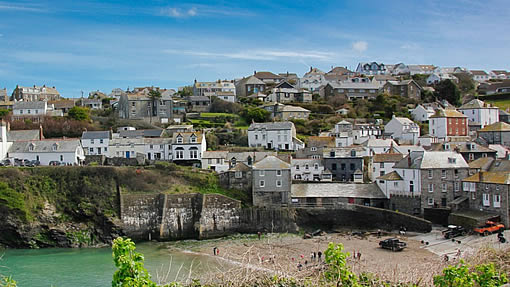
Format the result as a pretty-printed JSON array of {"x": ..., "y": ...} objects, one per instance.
[
  {"x": 96, "y": 146},
  {"x": 438, "y": 127}
]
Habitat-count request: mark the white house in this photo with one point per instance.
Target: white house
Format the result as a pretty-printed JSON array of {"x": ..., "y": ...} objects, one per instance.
[
  {"x": 479, "y": 112},
  {"x": 276, "y": 135},
  {"x": 403, "y": 130},
  {"x": 215, "y": 160},
  {"x": 5, "y": 145},
  {"x": 126, "y": 147},
  {"x": 158, "y": 148},
  {"x": 436, "y": 78},
  {"x": 96, "y": 142},
  {"x": 373, "y": 68},
  {"x": 306, "y": 169},
  {"x": 66, "y": 151},
  {"x": 422, "y": 113},
  {"x": 479, "y": 76},
  {"x": 376, "y": 146},
  {"x": 313, "y": 80},
  {"x": 383, "y": 163},
  {"x": 188, "y": 147},
  {"x": 448, "y": 123}
]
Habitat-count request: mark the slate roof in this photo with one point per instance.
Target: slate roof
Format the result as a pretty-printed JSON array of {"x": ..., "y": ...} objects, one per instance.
[
  {"x": 388, "y": 157},
  {"x": 271, "y": 162},
  {"x": 478, "y": 73},
  {"x": 29, "y": 105},
  {"x": 255, "y": 155},
  {"x": 141, "y": 133},
  {"x": 432, "y": 160},
  {"x": 266, "y": 75},
  {"x": 95, "y": 135},
  {"x": 67, "y": 145},
  {"x": 404, "y": 121},
  {"x": 500, "y": 165},
  {"x": 315, "y": 141},
  {"x": 489, "y": 177},
  {"x": 293, "y": 109},
  {"x": 336, "y": 190},
  {"x": 62, "y": 104},
  {"x": 392, "y": 176},
  {"x": 476, "y": 104},
  {"x": 482, "y": 163},
  {"x": 240, "y": 166},
  {"x": 186, "y": 137},
  {"x": 252, "y": 80},
  {"x": 462, "y": 147},
  {"x": 22, "y": 135},
  {"x": 448, "y": 113},
  {"x": 271, "y": 126},
  {"x": 215, "y": 154},
  {"x": 496, "y": 127}
]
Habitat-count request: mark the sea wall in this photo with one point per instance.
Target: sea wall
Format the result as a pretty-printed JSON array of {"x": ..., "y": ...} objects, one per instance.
[{"x": 197, "y": 216}]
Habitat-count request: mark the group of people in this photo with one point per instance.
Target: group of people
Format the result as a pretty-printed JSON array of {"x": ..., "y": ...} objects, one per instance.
[{"x": 314, "y": 257}]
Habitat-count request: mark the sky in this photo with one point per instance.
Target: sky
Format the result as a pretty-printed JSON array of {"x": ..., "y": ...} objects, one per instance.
[{"x": 92, "y": 45}]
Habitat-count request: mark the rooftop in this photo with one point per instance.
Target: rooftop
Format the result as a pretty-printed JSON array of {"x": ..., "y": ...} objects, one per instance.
[
  {"x": 336, "y": 190},
  {"x": 496, "y": 127},
  {"x": 271, "y": 126},
  {"x": 489, "y": 177},
  {"x": 271, "y": 162}
]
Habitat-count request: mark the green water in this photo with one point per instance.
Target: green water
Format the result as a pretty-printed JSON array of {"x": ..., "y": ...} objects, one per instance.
[{"x": 94, "y": 266}]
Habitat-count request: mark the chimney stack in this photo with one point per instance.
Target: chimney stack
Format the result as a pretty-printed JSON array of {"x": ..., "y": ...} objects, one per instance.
[
  {"x": 41, "y": 136},
  {"x": 409, "y": 162}
]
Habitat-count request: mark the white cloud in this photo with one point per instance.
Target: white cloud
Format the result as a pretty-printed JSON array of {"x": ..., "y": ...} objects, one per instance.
[
  {"x": 410, "y": 46},
  {"x": 13, "y": 7},
  {"x": 360, "y": 46},
  {"x": 175, "y": 12},
  {"x": 192, "y": 12},
  {"x": 268, "y": 55}
]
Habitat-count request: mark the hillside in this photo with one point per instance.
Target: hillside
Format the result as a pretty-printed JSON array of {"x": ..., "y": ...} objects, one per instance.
[{"x": 79, "y": 206}]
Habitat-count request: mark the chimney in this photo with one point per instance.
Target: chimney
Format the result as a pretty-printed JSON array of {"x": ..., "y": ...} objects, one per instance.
[
  {"x": 41, "y": 136},
  {"x": 409, "y": 160},
  {"x": 310, "y": 68}
]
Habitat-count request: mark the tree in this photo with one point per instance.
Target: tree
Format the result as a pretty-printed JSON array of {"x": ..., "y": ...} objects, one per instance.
[
  {"x": 79, "y": 113},
  {"x": 447, "y": 90},
  {"x": 131, "y": 272},
  {"x": 338, "y": 270},
  {"x": 4, "y": 113},
  {"x": 485, "y": 275},
  {"x": 185, "y": 92},
  {"x": 221, "y": 106},
  {"x": 255, "y": 115},
  {"x": 154, "y": 95}
]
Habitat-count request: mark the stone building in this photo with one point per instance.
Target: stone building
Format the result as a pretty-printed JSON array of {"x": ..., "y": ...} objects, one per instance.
[
  {"x": 498, "y": 133},
  {"x": 238, "y": 177},
  {"x": 271, "y": 182},
  {"x": 345, "y": 164},
  {"x": 35, "y": 93}
]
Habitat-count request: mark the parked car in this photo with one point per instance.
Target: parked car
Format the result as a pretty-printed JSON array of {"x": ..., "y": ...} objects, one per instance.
[
  {"x": 55, "y": 163},
  {"x": 489, "y": 228},
  {"x": 454, "y": 231},
  {"x": 393, "y": 244},
  {"x": 33, "y": 163}
]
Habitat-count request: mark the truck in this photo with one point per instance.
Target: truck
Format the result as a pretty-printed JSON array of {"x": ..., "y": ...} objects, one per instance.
[
  {"x": 393, "y": 244},
  {"x": 454, "y": 231},
  {"x": 489, "y": 228}
]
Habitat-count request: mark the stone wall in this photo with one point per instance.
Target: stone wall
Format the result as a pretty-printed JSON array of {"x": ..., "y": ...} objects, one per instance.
[
  {"x": 197, "y": 216},
  {"x": 406, "y": 204},
  {"x": 99, "y": 159}
]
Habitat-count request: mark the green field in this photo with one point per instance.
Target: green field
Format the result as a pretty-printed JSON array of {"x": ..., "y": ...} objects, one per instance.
[
  {"x": 503, "y": 104},
  {"x": 212, "y": 115}
]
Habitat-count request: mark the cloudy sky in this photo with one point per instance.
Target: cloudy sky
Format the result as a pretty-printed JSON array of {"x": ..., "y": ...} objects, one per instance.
[{"x": 88, "y": 45}]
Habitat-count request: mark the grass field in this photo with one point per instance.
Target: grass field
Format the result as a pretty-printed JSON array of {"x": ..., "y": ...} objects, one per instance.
[
  {"x": 502, "y": 104},
  {"x": 212, "y": 115}
]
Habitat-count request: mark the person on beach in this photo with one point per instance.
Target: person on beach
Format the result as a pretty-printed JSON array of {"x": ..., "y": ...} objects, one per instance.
[
  {"x": 320, "y": 255},
  {"x": 258, "y": 234},
  {"x": 359, "y": 256},
  {"x": 214, "y": 251}
]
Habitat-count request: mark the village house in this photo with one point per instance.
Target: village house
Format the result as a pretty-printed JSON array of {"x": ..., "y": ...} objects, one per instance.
[
  {"x": 304, "y": 169},
  {"x": 34, "y": 111},
  {"x": 198, "y": 104},
  {"x": 403, "y": 130},
  {"x": 188, "y": 147},
  {"x": 287, "y": 93},
  {"x": 372, "y": 68},
  {"x": 268, "y": 78},
  {"x": 35, "y": 93},
  {"x": 312, "y": 80},
  {"x": 239, "y": 177},
  {"x": 489, "y": 192},
  {"x": 215, "y": 160},
  {"x": 285, "y": 112},
  {"x": 247, "y": 157},
  {"x": 421, "y": 69},
  {"x": 9, "y": 136},
  {"x": 96, "y": 142},
  {"x": 499, "y": 74},
  {"x": 497, "y": 133},
  {"x": 436, "y": 78},
  {"x": 479, "y": 112},
  {"x": 382, "y": 145},
  {"x": 216, "y": 89},
  {"x": 383, "y": 163},
  {"x": 504, "y": 117},
  {"x": 347, "y": 133},
  {"x": 352, "y": 90},
  {"x": 479, "y": 75},
  {"x": 93, "y": 104},
  {"x": 126, "y": 148},
  {"x": 249, "y": 86},
  {"x": 275, "y": 135},
  {"x": 157, "y": 149},
  {"x": 292, "y": 78},
  {"x": 63, "y": 105},
  {"x": 470, "y": 151},
  {"x": 63, "y": 151},
  {"x": 423, "y": 112},
  {"x": 345, "y": 164},
  {"x": 433, "y": 175},
  {"x": 134, "y": 133},
  {"x": 406, "y": 88},
  {"x": 331, "y": 194},
  {"x": 494, "y": 87},
  {"x": 310, "y": 152},
  {"x": 448, "y": 123},
  {"x": 139, "y": 106},
  {"x": 271, "y": 183}
]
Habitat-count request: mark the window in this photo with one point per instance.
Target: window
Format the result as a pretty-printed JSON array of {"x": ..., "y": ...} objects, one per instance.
[
  {"x": 256, "y": 137},
  {"x": 457, "y": 186},
  {"x": 151, "y": 146},
  {"x": 278, "y": 173},
  {"x": 92, "y": 141},
  {"x": 486, "y": 200},
  {"x": 179, "y": 139},
  {"x": 333, "y": 166},
  {"x": 430, "y": 173},
  {"x": 471, "y": 156},
  {"x": 193, "y": 139},
  {"x": 443, "y": 173},
  {"x": 353, "y": 166},
  {"x": 31, "y": 147},
  {"x": 444, "y": 187},
  {"x": 101, "y": 141},
  {"x": 179, "y": 154},
  {"x": 61, "y": 158},
  {"x": 54, "y": 147},
  {"x": 313, "y": 148},
  {"x": 238, "y": 174},
  {"x": 297, "y": 167},
  {"x": 486, "y": 186},
  {"x": 132, "y": 104},
  {"x": 278, "y": 183},
  {"x": 473, "y": 195},
  {"x": 497, "y": 200},
  {"x": 381, "y": 165},
  {"x": 105, "y": 149},
  {"x": 316, "y": 166},
  {"x": 262, "y": 183},
  {"x": 261, "y": 173},
  {"x": 456, "y": 172},
  {"x": 28, "y": 111},
  {"x": 431, "y": 187},
  {"x": 395, "y": 184},
  {"x": 91, "y": 149},
  {"x": 430, "y": 201},
  {"x": 307, "y": 166}
]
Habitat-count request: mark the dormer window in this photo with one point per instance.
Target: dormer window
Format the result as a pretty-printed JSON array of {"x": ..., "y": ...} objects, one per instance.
[
  {"x": 193, "y": 139},
  {"x": 54, "y": 147},
  {"x": 452, "y": 160},
  {"x": 31, "y": 147},
  {"x": 179, "y": 139}
]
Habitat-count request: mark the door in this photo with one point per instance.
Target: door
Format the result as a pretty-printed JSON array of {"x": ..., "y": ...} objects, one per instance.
[
  {"x": 269, "y": 145},
  {"x": 149, "y": 156},
  {"x": 127, "y": 154}
]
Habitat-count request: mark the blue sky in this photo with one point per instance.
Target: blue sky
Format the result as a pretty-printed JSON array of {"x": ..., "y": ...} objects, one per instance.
[{"x": 89, "y": 45}]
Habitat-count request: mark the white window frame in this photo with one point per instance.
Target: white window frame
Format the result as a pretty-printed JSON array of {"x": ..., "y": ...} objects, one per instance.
[
  {"x": 430, "y": 201},
  {"x": 278, "y": 172},
  {"x": 431, "y": 187},
  {"x": 486, "y": 199},
  {"x": 431, "y": 173},
  {"x": 497, "y": 200},
  {"x": 262, "y": 173},
  {"x": 444, "y": 187},
  {"x": 262, "y": 183},
  {"x": 278, "y": 183}
]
